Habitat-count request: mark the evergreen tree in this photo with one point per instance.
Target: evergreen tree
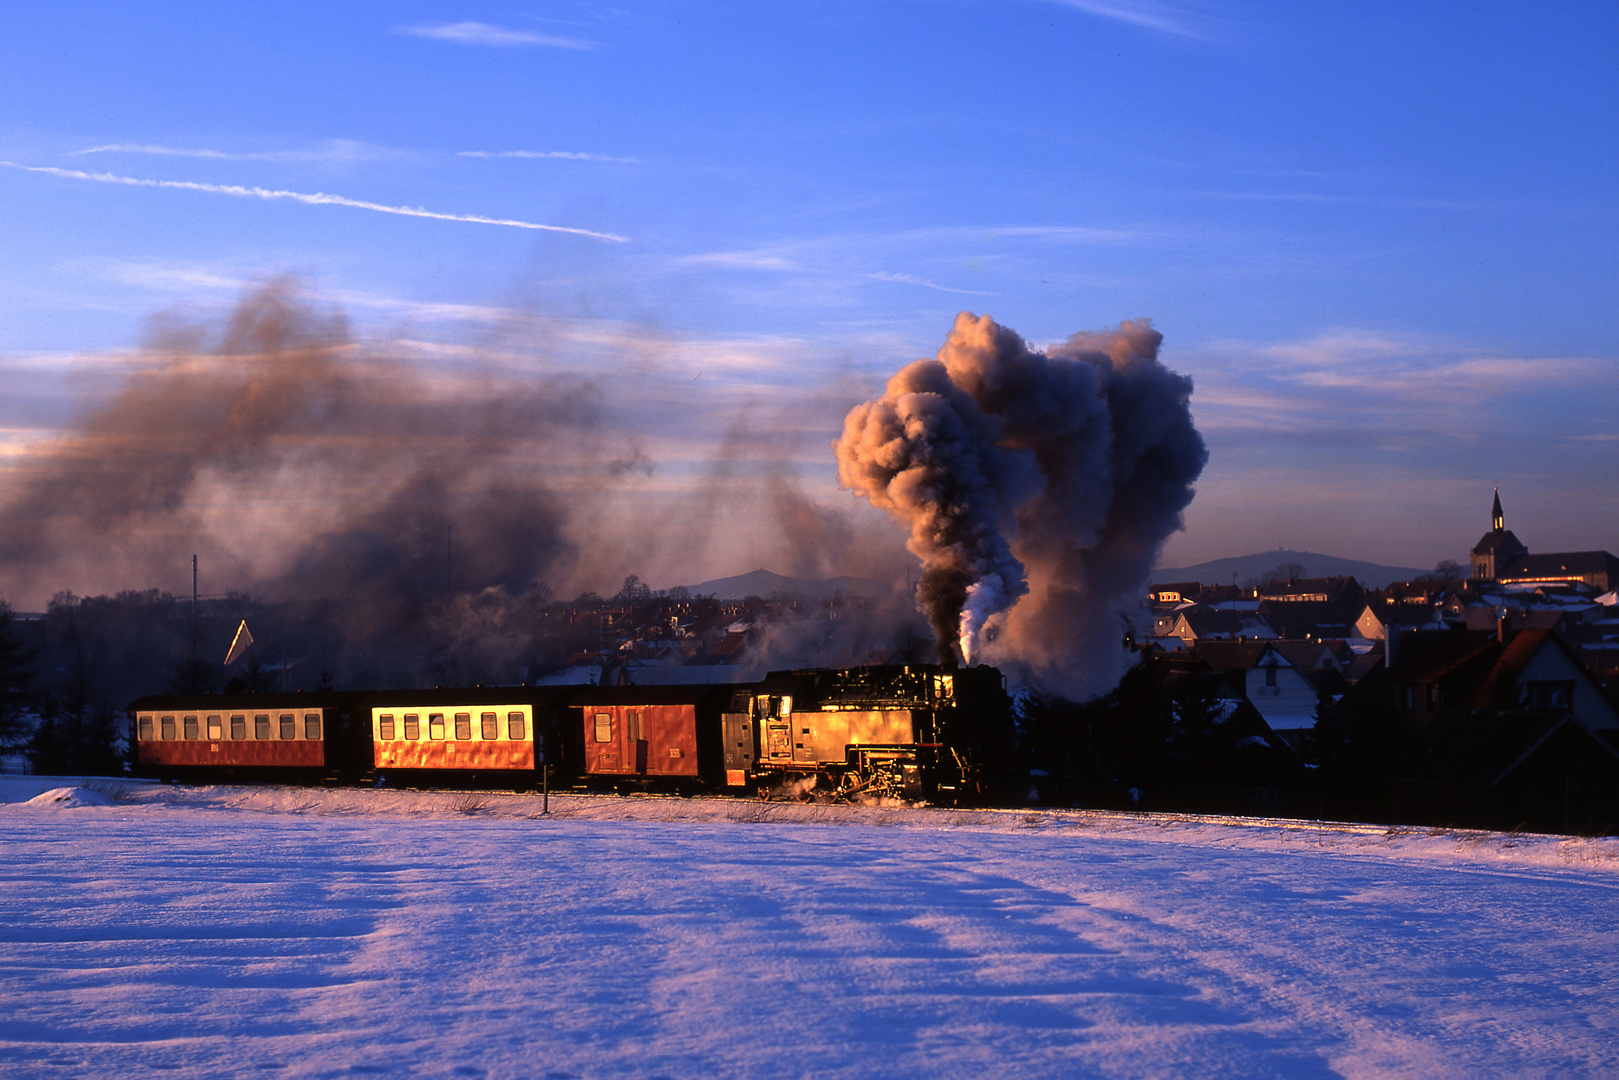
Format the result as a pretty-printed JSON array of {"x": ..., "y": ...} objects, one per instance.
[
  {"x": 16, "y": 678},
  {"x": 78, "y": 728}
]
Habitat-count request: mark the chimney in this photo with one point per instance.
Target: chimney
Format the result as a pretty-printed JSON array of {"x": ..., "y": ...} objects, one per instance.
[
  {"x": 1503, "y": 627},
  {"x": 1391, "y": 643}
]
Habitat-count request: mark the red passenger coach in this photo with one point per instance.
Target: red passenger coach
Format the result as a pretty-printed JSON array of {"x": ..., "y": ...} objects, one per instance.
[
  {"x": 450, "y": 733},
  {"x": 650, "y": 732},
  {"x": 204, "y": 737}
]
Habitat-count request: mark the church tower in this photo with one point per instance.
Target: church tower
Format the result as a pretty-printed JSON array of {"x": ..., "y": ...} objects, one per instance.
[{"x": 1498, "y": 549}]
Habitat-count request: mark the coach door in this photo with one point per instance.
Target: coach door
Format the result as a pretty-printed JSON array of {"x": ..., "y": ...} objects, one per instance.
[{"x": 634, "y": 741}]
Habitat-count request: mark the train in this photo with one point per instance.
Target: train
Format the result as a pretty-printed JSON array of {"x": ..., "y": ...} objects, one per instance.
[{"x": 917, "y": 732}]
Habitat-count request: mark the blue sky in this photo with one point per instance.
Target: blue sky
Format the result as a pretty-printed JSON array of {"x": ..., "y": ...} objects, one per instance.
[{"x": 1379, "y": 237}]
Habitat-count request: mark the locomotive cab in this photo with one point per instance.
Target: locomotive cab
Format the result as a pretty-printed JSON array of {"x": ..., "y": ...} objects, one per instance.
[{"x": 896, "y": 731}]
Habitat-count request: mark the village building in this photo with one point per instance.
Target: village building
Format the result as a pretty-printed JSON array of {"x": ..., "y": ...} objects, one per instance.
[
  {"x": 1432, "y": 672},
  {"x": 1500, "y": 556},
  {"x": 1508, "y": 769},
  {"x": 1198, "y": 623},
  {"x": 1286, "y": 681}
]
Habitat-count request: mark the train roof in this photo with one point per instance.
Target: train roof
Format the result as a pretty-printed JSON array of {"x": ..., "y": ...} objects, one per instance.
[
  {"x": 312, "y": 699},
  {"x": 540, "y": 696},
  {"x": 674, "y": 694}
]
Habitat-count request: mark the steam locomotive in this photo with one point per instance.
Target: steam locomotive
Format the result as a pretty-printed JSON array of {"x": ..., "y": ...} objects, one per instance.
[{"x": 916, "y": 732}]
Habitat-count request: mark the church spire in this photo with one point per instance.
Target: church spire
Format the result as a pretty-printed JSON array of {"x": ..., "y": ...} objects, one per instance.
[{"x": 1497, "y": 522}]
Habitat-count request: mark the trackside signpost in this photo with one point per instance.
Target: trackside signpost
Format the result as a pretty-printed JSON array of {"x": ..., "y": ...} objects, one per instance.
[{"x": 545, "y": 771}]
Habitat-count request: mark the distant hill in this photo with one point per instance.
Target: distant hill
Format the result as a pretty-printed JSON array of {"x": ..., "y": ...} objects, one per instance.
[
  {"x": 1219, "y": 571},
  {"x": 766, "y": 583}
]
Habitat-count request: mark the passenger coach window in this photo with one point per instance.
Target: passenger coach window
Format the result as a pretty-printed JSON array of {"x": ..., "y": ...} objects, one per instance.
[
  {"x": 463, "y": 726},
  {"x": 312, "y": 726},
  {"x": 216, "y": 730},
  {"x": 146, "y": 729},
  {"x": 435, "y": 725},
  {"x": 261, "y": 725},
  {"x": 385, "y": 727},
  {"x": 604, "y": 727},
  {"x": 289, "y": 726},
  {"x": 190, "y": 725},
  {"x": 516, "y": 728},
  {"x": 238, "y": 727},
  {"x": 491, "y": 726},
  {"x": 413, "y": 726},
  {"x": 168, "y": 727}
]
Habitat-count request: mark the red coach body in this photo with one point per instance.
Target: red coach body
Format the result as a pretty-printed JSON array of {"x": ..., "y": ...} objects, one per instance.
[
  {"x": 449, "y": 733},
  {"x": 239, "y": 736},
  {"x": 655, "y": 732}
]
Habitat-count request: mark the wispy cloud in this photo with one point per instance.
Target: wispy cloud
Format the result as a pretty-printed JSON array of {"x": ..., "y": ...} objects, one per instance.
[
  {"x": 741, "y": 260},
  {"x": 1401, "y": 202},
  {"x": 1146, "y": 14},
  {"x": 1397, "y": 385},
  {"x": 477, "y": 33},
  {"x": 911, "y": 279},
  {"x": 1085, "y": 234},
  {"x": 172, "y": 277},
  {"x": 335, "y": 150},
  {"x": 563, "y": 155},
  {"x": 311, "y": 199}
]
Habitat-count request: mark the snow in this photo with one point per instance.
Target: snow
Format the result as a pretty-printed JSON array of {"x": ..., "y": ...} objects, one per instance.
[
  {"x": 67, "y": 798},
  {"x": 324, "y": 932}
]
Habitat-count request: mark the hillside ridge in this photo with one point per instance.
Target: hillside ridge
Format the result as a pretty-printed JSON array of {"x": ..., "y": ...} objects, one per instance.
[{"x": 1219, "y": 571}]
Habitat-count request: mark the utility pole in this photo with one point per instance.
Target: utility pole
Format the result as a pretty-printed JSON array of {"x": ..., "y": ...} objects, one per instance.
[{"x": 196, "y": 631}]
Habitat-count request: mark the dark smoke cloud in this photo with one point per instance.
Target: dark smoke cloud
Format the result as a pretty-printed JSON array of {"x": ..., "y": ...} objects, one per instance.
[
  {"x": 1038, "y": 487},
  {"x": 302, "y": 465}
]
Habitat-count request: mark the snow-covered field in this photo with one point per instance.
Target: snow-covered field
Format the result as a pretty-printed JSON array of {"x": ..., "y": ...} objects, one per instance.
[{"x": 295, "y": 932}]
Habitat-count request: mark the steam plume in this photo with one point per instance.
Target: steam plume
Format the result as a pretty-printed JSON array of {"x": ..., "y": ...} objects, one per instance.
[{"x": 1038, "y": 487}]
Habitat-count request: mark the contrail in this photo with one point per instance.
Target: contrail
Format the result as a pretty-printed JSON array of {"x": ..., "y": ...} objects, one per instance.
[{"x": 317, "y": 199}]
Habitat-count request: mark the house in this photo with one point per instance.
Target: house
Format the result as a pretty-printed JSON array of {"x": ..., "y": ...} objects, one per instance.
[
  {"x": 1544, "y": 673},
  {"x": 1173, "y": 593},
  {"x": 1597, "y": 569},
  {"x": 1508, "y": 769},
  {"x": 1200, "y": 623},
  {"x": 1228, "y": 598},
  {"x": 1430, "y": 672},
  {"x": 1490, "y": 618},
  {"x": 1301, "y": 619},
  {"x": 1379, "y": 614},
  {"x": 1342, "y": 591},
  {"x": 1321, "y": 653},
  {"x": 1285, "y": 681}
]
